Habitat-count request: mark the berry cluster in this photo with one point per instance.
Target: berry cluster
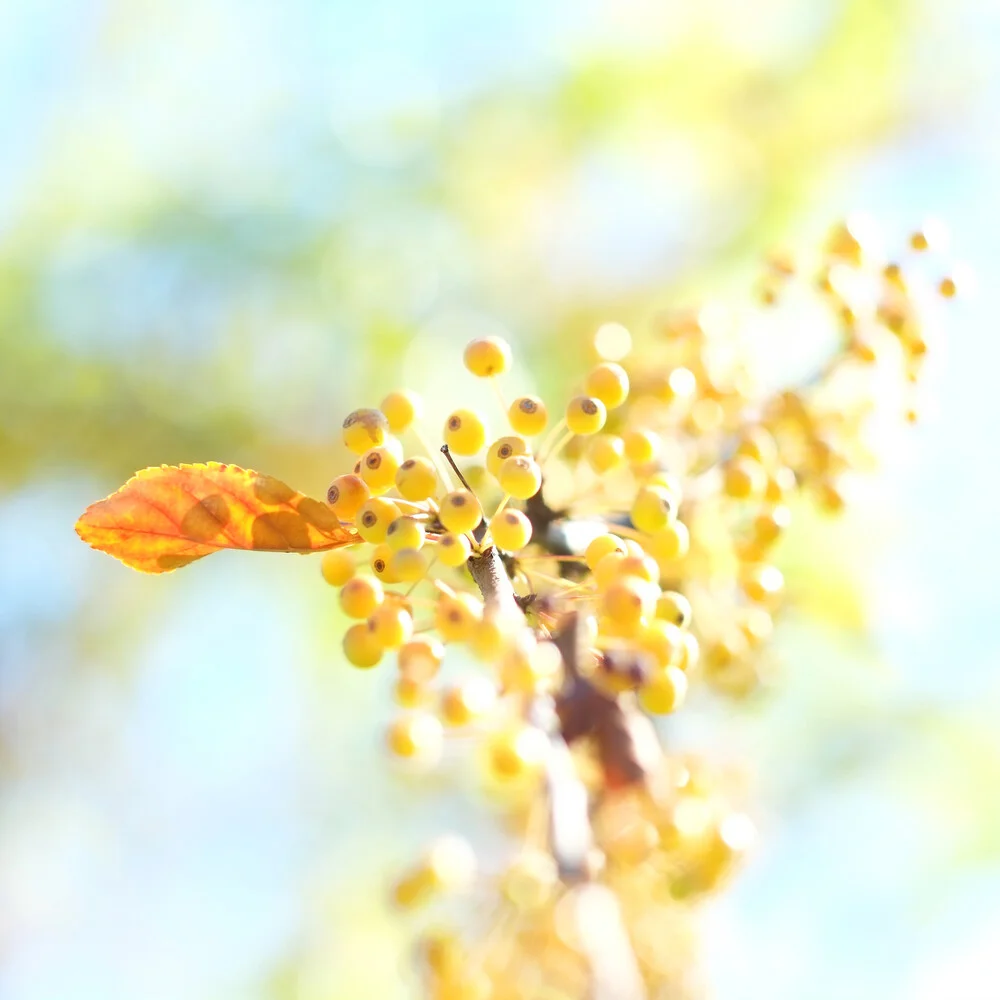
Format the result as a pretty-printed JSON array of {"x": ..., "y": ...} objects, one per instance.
[{"x": 610, "y": 554}]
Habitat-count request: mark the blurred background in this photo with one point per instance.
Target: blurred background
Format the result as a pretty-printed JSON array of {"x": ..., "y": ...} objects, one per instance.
[{"x": 225, "y": 224}]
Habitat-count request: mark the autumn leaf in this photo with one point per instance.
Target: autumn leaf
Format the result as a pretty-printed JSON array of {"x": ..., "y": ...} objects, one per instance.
[{"x": 166, "y": 517}]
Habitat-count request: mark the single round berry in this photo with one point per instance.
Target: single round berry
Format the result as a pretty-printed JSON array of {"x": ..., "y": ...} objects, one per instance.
[
  {"x": 405, "y": 533},
  {"x": 459, "y": 511},
  {"x": 669, "y": 543},
  {"x": 781, "y": 485},
  {"x": 605, "y": 452},
  {"x": 451, "y": 863},
  {"x": 641, "y": 566},
  {"x": 664, "y": 692},
  {"x": 373, "y": 519},
  {"x": 416, "y": 479},
  {"x": 608, "y": 569},
  {"x": 378, "y": 468},
  {"x": 391, "y": 624},
  {"x": 690, "y": 652},
  {"x": 762, "y": 583},
  {"x": 627, "y": 600},
  {"x": 489, "y": 637},
  {"x": 420, "y": 659},
  {"x": 364, "y": 429},
  {"x": 744, "y": 479},
  {"x": 679, "y": 386},
  {"x": 770, "y": 524},
  {"x": 757, "y": 443},
  {"x": 419, "y": 735},
  {"x": 502, "y": 449},
  {"x": 407, "y": 565},
  {"x": 653, "y": 508},
  {"x": 757, "y": 625},
  {"x": 600, "y": 547},
  {"x": 453, "y": 550},
  {"x": 409, "y": 693},
  {"x": 520, "y": 477},
  {"x": 612, "y": 341},
  {"x": 641, "y": 445},
  {"x": 674, "y": 608},
  {"x": 464, "y": 432},
  {"x": 516, "y": 755},
  {"x": 360, "y": 596},
  {"x": 337, "y": 567},
  {"x": 466, "y": 702},
  {"x": 585, "y": 415},
  {"x": 456, "y": 615},
  {"x": 381, "y": 563},
  {"x": 487, "y": 356},
  {"x": 346, "y": 494},
  {"x": 528, "y": 416},
  {"x": 401, "y": 408},
  {"x": 361, "y": 647},
  {"x": 511, "y": 530},
  {"x": 607, "y": 382},
  {"x": 663, "y": 640}
]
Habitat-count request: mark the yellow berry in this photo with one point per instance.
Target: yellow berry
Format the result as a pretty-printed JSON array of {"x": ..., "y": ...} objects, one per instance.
[
  {"x": 520, "y": 476},
  {"x": 756, "y": 624},
  {"x": 346, "y": 494},
  {"x": 762, "y": 583},
  {"x": 771, "y": 524},
  {"x": 420, "y": 659},
  {"x": 418, "y": 735},
  {"x": 600, "y": 547},
  {"x": 641, "y": 566},
  {"x": 401, "y": 408},
  {"x": 337, "y": 567},
  {"x": 605, "y": 452},
  {"x": 744, "y": 479},
  {"x": 585, "y": 415},
  {"x": 690, "y": 652},
  {"x": 466, "y": 702},
  {"x": 487, "y": 356},
  {"x": 451, "y": 863},
  {"x": 407, "y": 565},
  {"x": 664, "y": 692},
  {"x": 679, "y": 386},
  {"x": 530, "y": 880},
  {"x": 464, "y": 432},
  {"x": 416, "y": 479},
  {"x": 780, "y": 485},
  {"x": 627, "y": 600},
  {"x": 374, "y": 517},
  {"x": 608, "y": 569},
  {"x": 511, "y": 530},
  {"x": 641, "y": 446},
  {"x": 453, "y": 550},
  {"x": 669, "y": 543},
  {"x": 653, "y": 508},
  {"x": 948, "y": 287},
  {"x": 391, "y": 624},
  {"x": 516, "y": 754},
  {"x": 502, "y": 449},
  {"x": 460, "y": 511},
  {"x": 364, "y": 429},
  {"x": 455, "y": 616},
  {"x": 405, "y": 533},
  {"x": 360, "y": 596},
  {"x": 378, "y": 468},
  {"x": 361, "y": 647},
  {"x": 674, "y": 608},
  {"x": 381, "y": 563},
  {"x": 488, "y": 637},
  {"x": 758, "y": 444},
  {"x": 607, "y": 382},
  {"x": 663, "y": 640},
  {"x": 409, "y": 693},
  {"x": 528, "y": 416}
]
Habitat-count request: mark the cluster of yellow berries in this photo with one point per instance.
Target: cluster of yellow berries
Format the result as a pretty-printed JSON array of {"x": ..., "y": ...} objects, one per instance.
[{"x": 644, "y": 517}]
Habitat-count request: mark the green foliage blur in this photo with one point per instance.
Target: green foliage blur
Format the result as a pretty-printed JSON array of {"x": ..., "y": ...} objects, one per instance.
[{"x": 224, "y": 225}]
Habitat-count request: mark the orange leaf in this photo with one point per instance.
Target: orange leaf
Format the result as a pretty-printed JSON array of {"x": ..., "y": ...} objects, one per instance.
[{"x": 164, "y": 518}]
